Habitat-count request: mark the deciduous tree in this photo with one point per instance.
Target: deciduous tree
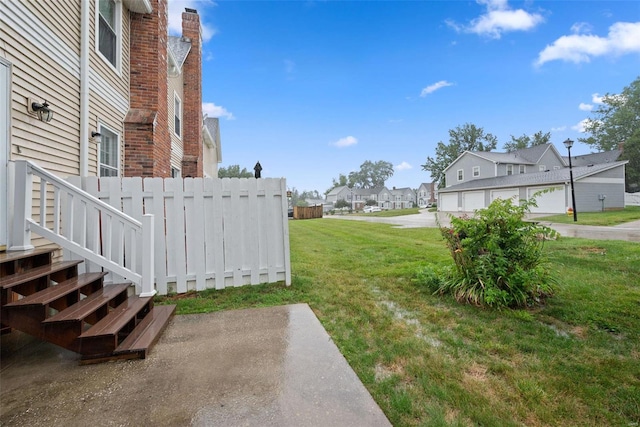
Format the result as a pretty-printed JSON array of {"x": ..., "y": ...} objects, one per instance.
[
  {"x": 233, "y": 171},
  {"x": 467, "y": 137},
  {"x": 526, "y": 141}
]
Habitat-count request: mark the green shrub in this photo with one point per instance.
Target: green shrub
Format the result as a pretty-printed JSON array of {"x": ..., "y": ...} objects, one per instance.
[{"x": 498, "y": 257}]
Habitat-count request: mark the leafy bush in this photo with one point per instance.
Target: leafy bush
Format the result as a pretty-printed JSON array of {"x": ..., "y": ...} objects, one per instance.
[{"x": 498, "y": 257}]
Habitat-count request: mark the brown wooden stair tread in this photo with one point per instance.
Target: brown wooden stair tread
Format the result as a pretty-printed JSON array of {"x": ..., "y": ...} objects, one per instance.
[
  {"x": 34, "y": 273},
  {"x": 58, "y": 291},
  {"x": 145, "y": 335},
  {"x": 118, "y": 318},
  {"x": 90, "y": 304},
  {"x": 17, "y": 255}
]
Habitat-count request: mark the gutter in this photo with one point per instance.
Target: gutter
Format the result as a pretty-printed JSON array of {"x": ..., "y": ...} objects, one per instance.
[{"x": 84, "y": 89}]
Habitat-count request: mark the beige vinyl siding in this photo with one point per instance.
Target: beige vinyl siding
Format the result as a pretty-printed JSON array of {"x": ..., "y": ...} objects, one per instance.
[
  {"x": 53, "y": 145},
  {"x": 177, "y": 147},
  {"x": 102, "y": 110}
]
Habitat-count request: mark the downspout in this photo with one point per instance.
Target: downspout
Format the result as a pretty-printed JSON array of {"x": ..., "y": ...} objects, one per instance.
[{"x": 84, "y": 89}]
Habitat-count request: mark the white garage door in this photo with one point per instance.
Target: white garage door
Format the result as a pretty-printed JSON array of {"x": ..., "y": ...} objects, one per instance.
[
  {"x": 472, "y": 201},
  {"x": 448, "y": 202},
  {"x": 551, "y": 202},
  {"x": 512, "y": 193}
]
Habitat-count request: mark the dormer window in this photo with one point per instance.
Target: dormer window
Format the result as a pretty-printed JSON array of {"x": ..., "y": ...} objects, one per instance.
[
  {"x": 542, "y": 168},
  {"x": 460, "y": 175},
  {"x": 509, "y": 169},
  {"x": 476, "y": 171},
  {"x": 522, "y": 169}
]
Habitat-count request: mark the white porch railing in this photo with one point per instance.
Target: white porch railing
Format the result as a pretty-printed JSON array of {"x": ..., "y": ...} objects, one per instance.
[{"x": 113, "y": 245}]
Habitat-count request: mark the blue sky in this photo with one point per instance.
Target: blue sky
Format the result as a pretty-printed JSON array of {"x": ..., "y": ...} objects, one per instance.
[{"x": 312, "y": 89}]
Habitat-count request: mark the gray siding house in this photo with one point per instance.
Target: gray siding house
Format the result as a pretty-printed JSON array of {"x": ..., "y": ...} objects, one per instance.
[{"x": 475, "y": 179}]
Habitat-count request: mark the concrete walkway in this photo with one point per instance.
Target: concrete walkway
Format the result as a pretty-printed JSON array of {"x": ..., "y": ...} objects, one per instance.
[
  {"x": 629, "y": 231},
  {"x": 258, "y": 367}
]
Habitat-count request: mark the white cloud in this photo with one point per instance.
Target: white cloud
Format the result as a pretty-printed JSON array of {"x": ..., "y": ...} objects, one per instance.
[
  {"x": 434, "y": 87},
  {"x": 597, "y": 99},
  {"x": 581, "y": 28},
  {"x": 213, "y": 110},
  {"x": 176, "y": 7},
  {"x": 623, "y": 38},
  {"x": 559, "y": 129},
  {"x": 580, "y": 126},
  {"x": 499, "y": 19},
  {"x": 345, "y": 142},
  {"x": 585, "y": 107},
  {"x": 403, "y": 166}
]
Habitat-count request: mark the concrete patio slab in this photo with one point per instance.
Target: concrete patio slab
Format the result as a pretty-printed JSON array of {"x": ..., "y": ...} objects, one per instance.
[{"x": 258, "y": 367}]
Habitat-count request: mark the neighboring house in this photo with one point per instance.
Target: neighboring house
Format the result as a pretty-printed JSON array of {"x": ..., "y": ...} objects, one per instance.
[
  {"x": 212, "y": 151},
  {"x": 125, "y": 97},
  {"x": 475, "y": 179},
  {"x": 385, "y": 198},
  {"x": 402, "y": 198},
  {"x": 427, "y": 194}
]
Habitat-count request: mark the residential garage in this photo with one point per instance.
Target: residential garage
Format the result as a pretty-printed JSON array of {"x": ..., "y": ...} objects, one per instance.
[
  {"x": 472, "y": 200},
  {"x": 551, "y": 202},
  {"x": 505, "y": 194},
  {"x": 448, "y": 202}
]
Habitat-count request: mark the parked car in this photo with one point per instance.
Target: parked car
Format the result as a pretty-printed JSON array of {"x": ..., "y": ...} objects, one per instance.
[{"x": 368, "y": 209}]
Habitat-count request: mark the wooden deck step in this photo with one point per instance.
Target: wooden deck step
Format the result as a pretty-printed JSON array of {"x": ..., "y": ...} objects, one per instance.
[
  {"x": 18, "y": 255},
  {"x": 68, "y": 267},
  {"x": 89, "y": 305},
  {"x": 103, "y": 337},
  {"x": 146, "y": 334},
  {"x": 53, "y": 293}
]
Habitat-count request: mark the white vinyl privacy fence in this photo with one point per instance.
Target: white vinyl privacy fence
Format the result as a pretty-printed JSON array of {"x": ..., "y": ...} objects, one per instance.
[
  {"x": 632, "y": 199},
  {"x": 208, "y": 232}
]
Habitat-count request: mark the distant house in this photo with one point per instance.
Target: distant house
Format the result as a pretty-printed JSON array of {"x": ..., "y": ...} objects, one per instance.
[
  {"x": 386, "y": 199},
  {"x": 475, "y": 179},
  {"x": 427, "y": 194},
  {"x": 212, "y": 150},
  {"x": 402, "y": 198}
]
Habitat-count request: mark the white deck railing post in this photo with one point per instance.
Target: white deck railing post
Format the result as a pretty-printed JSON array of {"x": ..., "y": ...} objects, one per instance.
[
  {"x": 21, "y": 231},
  {"x": 148, "y": 248}
]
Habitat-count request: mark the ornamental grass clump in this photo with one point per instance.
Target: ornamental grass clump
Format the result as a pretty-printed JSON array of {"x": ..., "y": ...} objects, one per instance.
[{"x": 498, "y": 258}]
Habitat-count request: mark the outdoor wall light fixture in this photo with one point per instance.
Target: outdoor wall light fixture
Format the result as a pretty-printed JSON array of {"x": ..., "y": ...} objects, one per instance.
[
  {"x": 96, "y": 136},
  {"x": 42, "y": 110},
  {"x": 569, "y": 143}
]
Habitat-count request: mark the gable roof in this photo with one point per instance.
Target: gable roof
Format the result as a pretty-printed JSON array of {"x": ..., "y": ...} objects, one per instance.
[
  {"x": 336, "y": 190},
  {"x": 526, "y": 156},
  {"x": 179, "y": 48},
  {"x": 539, "y": 178},
  {"x": 594, "y": 158}
]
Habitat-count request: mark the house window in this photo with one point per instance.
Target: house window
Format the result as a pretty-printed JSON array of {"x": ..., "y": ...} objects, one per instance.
[
  {"x": 476, "y": 171},
  {"x": 460, "y": 175},
  {"x": 555, "y": 168},
  {"x": 175, "y": 173},
  {"x": 109, "y": 148},
  {"x": 522, "y": 169},
  {"x": 109, "y": 36},
  {"x": 542, "y": 168},
  {"x": 177, "y": 115},
  {"x": 509, "y": 169}
]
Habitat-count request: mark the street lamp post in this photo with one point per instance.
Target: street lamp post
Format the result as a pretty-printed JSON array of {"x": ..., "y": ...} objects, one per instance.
[{"x": 569, "y": 143}]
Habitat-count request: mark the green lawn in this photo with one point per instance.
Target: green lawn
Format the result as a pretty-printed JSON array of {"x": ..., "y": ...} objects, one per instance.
[
  {"x": 429, "y": 361},
  {"x": 629, "y": 213}
]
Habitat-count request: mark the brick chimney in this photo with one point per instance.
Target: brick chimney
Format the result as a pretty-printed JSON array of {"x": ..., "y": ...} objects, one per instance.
[
  {"x": 146, "y": 127},
  {"x": 192, "y": 97}
]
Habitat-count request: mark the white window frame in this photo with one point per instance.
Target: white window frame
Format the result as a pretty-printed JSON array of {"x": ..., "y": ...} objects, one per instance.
[
  {"x": 117, "y": 67},
  {"x": 522, "y": 169},
  {"x": 460, "y": 174},
  {"x": 177, "y": 115},
  {"x": 102, "y": 128},
  {"x": 476, "y": 171},
  {"x": 542, "y": 168},
  {"x": 555, "y": 168},
  {"x": 509, "y": 169}
]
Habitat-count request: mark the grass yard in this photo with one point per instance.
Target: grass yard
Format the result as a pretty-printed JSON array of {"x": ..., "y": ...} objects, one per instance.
[
  {"x": 629, "y": 213},
  {"x": 429, "y": 361}
]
